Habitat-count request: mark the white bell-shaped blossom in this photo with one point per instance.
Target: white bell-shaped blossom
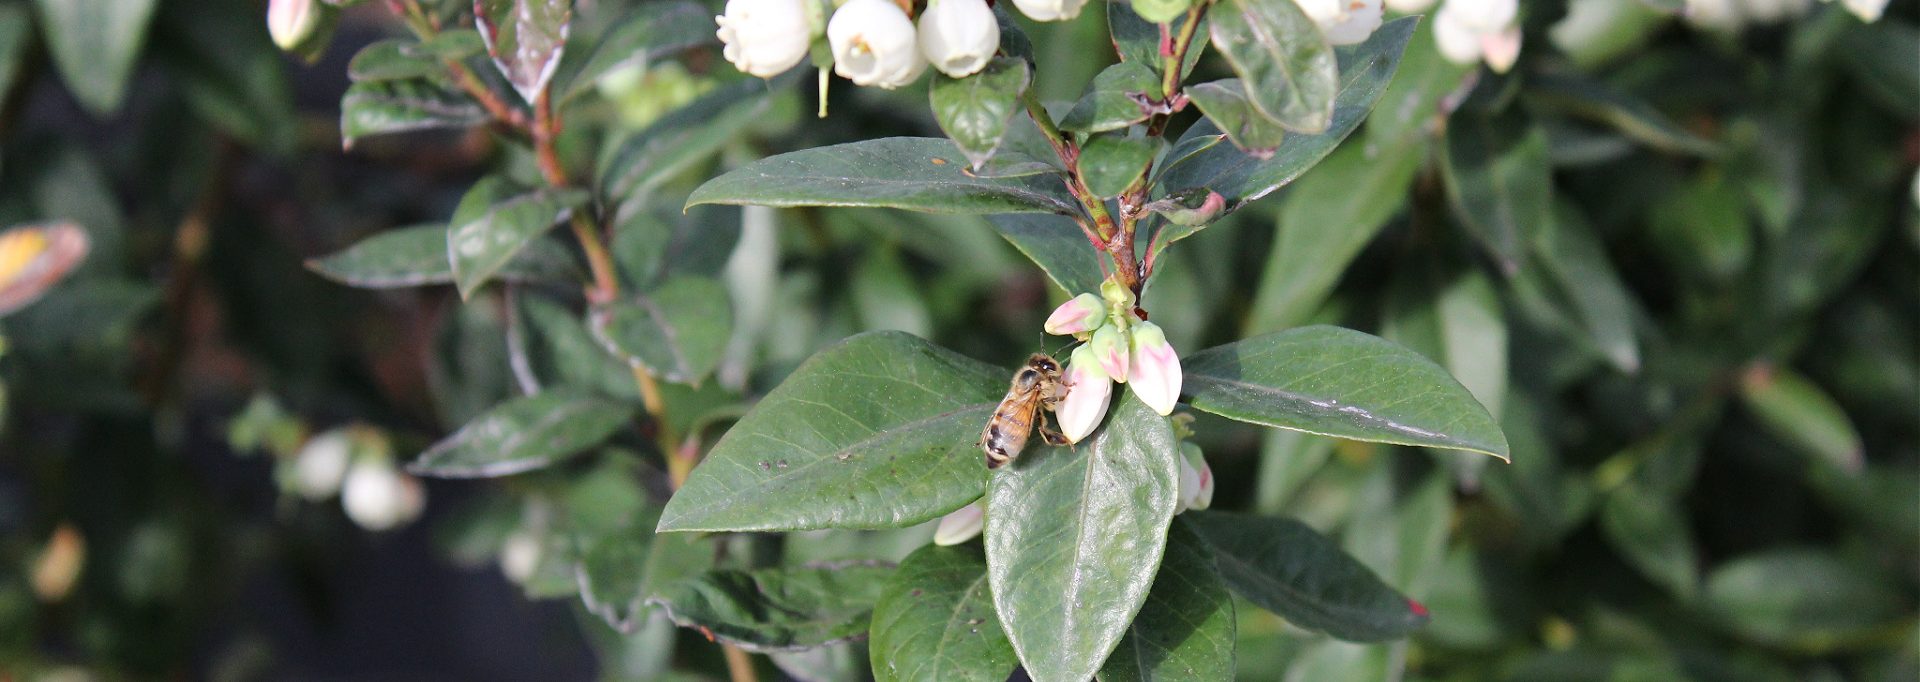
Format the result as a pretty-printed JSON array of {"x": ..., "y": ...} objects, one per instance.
[
  {"x": 1050, "y": 10},
  {"x": 292, "y": 22},
  {"x": 321, "y": 464},
  {"x": 874, "y": 44},
  {"x": 379, "y": 497},
  {"x": 958, "y": 37},
  {"x": 1469, "y": 31},
  {"x": 1079, "y": 315},
  {"x": 1344, "y": 22},
  {"x": 1154, "y": 372},
  {"x": 765, "y": 37},
  {"x": 1089, "y": 391},
  {"x": 961, "y": 525}
]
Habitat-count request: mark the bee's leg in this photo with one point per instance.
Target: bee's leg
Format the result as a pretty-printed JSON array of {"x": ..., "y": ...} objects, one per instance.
[{"x": 1051, "y": 435}]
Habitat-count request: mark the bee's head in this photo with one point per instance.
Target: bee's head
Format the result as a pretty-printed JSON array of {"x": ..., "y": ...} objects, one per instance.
[{"x": 1043, "y": 363}]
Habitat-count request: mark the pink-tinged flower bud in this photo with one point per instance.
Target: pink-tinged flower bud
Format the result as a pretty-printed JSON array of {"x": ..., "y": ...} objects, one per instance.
[
  {"x": 1078, "y": 315},
  {"x": 1501, "y": 49},
  {"x": 1155, "y": 371},
  {"x": 1344, "y": 22},
  {"x": 1109, "y": 348},
  {"x": 765, "y": 37},
  {"x": 1088, "y": 393},
  {"x": 1200, "y": 496},
  {"x": 378, "y": 497},
  {"x": 1192, "y": 207},
  {"x": 291, "y": 22},
  {"x": 961, "y": 525}
]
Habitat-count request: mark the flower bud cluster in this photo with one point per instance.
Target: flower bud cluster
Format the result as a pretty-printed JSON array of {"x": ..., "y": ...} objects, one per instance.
[
  {"x": 872, "y": 42},
  {"x": 1120, "y": 347},
  {"x": 356, "y": 463}
]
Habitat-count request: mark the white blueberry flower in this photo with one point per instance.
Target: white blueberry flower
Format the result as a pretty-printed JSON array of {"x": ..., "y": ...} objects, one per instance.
[
  {"x": 321, "y": 464},
  {"x": 1409, "y": 6},
  {"x": 1469, "y": 31},
  {"x": 1078, "y": 315},
  {"x": 379, "y": 497},
  {"x": 1050, "y": 10},
  {"x": 520, "y": 554},
  {"x": 961, "y": 525},
  {"x": 874, "y": 44},
  {"x": 1154, "y": 374},
  {"x": 1344, "y": 22},
  {"x": 958, "y": 36},
  {"x": 1089, "y": 390},
  {"x": 1196, "y": 478},
  {"x": 765, "y": 37},
  {"x": 1867, "y": 10},
  {"x": 292, "y": 22}
]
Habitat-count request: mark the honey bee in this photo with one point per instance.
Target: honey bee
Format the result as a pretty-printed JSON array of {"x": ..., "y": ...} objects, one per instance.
[{"x": 1036, "y": 385}]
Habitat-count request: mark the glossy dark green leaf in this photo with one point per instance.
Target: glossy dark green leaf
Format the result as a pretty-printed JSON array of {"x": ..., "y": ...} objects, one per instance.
[
  {"x": 1285, "y": 567},
  {"x": 526, "y": 39},
  {"x": 1597, "y": 102},
  {"x": 1057, "y": 246},
  {"x": 1422, "y": 94},
  {"x": 619, "y": 572},
  {"x": 1074, "y": 537},
  {"x": 1225, "y": 103},
  {"x": 417, "y": 256},
  {"x": 875, "y": 432},
  {"x": 1499, "y": 182},
  {"x": 489, "y": 228},
  {"x": 1138, "y": 40},
  {"x": 1651, "y": 533},
  {"x": 1109, "y": 163},
  {"x": 918, "y": 173},
  {"x": 1325, "y": 221},
  {"x": 382, "y": 107},
  {"x": 406, "y": 59},
  {"x": 649, "y": 31},
  {"x": 1118, "y": 97},
  {"x": 677, "y": 331},
  {"x": 1339, "y": 382},
  {"x": 679, "y": 140},
  {"x": 935, "y": 621},
  {"x": 1185, "y": 631},
  {"x": 559, "y": 349},
  {"x": 95, "y": 44},
  {"x": 778, "y": 609},
  {"x": 1798, "y": 412},
  {"x": 1196, "y": 161},
  {"x": 523, "y": 434},
  {"x": 1282, "y": 59},
  {"x": 974, "y": 111},
  {"x": 1802, "y": 598}
]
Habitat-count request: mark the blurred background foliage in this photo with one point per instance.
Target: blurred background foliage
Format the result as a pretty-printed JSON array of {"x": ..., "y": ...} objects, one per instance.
[{"x": 1681, "y": 263}]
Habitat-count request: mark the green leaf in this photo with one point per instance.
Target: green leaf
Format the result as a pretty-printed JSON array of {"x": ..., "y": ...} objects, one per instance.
[
  {"x": 1185, "y": 631},
  {"x": 1879, "y": 56},
  {"x": 1282, "y": 58},
  {"x": 1074, "y": 536},
  {"x": 382, "y": 107},
  {"x": 16, "y": 35},
  {"x": 1802, "y": 598},
  {"x": 230, "y": 72},
  {"x": 526, "y": 39},
  {"x": 778, "y": 609},
  {"x": 95, "y": 44},
  {"x": 1325, "y": 221},
  {"x": 974, "y": 111},
  {"x": 1599, "y": 103},
  {"x": 875, "y": 432},
  {"x": 1575, "y": 276},
  {"x": 677, "y": 332},
  {"x": 1339, "y": 382},
  {"x": 556, "y": 344},
  {"x": 1285, "y": 567},
  {"x": 416, "y": 256},
  {"x": 1198, "y": 161},
  {"x": 1138, "y": 40},
  {"x": 1225, "y": 103},
  {"x": 619, "y": 572},
  {"x": 1418, "y": 98},
  {"x": 1118, "y": 97},
  {"x": 1651, "y": 533},
  {"x": 935, "y": 621},
  {"x": 489, "y": 229},
  {"x": 1057, "y": 246},
  {"x": 389, "y": 60},
  {"x": 523, "y": 434},
  {"x": 683, "y": 138},
  {"x": 648, "y": 32},
  {"x": 917, "y": 173},
  {"x": 1109, "y": 163},
  {"x": 1499, "y": 181},
  {"x": 1795, "y": 410},
  {"x": 1703, "y": 227}
]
